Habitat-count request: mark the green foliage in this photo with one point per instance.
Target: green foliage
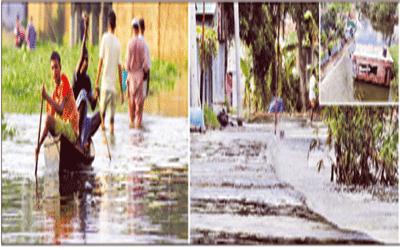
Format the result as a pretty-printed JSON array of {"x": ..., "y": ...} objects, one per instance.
[
  {"x": 23, "y": 73},
  {"x": 365, "y": 142},
  {"x": 334, "y": 21},
  {"x": 259, "y": 23},
  {"x": 324, "y": 38},
  {"x": 210, "y": 118},
  {"x": 7, "y": 131},
  {"x": 226, "y": 103},
  {"x": 382, "y": 11},
  {"x": 210, "y": 45},
  {"x": 394, "y": 84},
  {"x": 163, "y": 75},
  {"x": 246, "y": 67}
]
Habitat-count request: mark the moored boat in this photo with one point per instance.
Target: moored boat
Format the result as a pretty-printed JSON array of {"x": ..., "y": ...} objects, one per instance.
[
  {"x": 372, "y": 64},
  {"x": 70, "y": 162}
]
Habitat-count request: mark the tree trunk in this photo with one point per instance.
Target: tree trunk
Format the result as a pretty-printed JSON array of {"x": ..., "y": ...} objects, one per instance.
[{"x": 303, "y": 85}]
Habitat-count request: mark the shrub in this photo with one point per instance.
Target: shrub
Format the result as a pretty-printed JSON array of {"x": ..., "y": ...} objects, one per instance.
[
  {"x": 365, "y": 142},
  {"x": 210, "y": 118}
]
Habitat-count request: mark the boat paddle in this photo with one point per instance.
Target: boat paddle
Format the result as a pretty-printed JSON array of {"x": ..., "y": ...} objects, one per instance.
[
  {"x": 101, "y": 116},
  {"x": 40, "y": 125}
]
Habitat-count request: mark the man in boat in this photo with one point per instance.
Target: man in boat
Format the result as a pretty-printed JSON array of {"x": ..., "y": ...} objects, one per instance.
[
  {"x": 62, "y": 114},
  {"x": 110, "y": 55},
  {"x": 82, "y": 88},
  {"x": 136, "y": 64}
]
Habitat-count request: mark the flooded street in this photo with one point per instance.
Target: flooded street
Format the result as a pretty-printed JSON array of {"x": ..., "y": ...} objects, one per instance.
[
  {"x": 139, "y": 197},
  {"x": 249, "y": 186},
  {"x": 338, "y": 85}
]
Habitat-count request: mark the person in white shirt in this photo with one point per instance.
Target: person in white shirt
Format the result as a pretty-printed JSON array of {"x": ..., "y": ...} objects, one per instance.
[
  {"x": 312, "y": 95},
  {"x": 110, "y": 56}
]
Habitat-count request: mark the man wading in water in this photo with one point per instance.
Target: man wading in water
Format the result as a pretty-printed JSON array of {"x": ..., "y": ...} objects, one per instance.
[
  {"x": 136, "y": 63},
  {"x": 62, "y": 115},
  {"x": 82, "y": 88},
  {"x": 110, "y": 55}
]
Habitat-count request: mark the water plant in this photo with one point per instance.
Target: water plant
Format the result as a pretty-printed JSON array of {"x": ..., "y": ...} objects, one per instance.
[{"x": 7, "y": 131}]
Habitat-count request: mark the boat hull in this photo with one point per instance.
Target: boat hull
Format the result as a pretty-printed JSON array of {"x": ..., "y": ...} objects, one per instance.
[{"x": 65, "y": 165}]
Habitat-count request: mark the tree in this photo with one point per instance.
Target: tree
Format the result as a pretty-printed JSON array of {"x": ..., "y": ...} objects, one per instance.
[
  {"x": 259, "y": 26},
  {"x": 297, "y": 12}
]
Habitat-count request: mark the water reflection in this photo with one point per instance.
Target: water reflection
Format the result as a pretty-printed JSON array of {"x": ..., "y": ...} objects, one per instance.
[
  {"x": 365, "y": 91},
  {"x": 376, "y": 33},
  {"x": 140, "y": 197}
]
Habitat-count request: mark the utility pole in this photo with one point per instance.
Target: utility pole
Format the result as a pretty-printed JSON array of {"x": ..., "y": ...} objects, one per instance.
[
  {"x": 203, "y": 89},
  {"x": 237, "y": 45}
]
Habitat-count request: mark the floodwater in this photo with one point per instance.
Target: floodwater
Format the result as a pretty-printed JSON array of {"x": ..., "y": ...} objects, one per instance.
[
  {"x": 139, "y": 197},
  {"x": 374, "y": 33},
  {"x": 249, "y": 186},
  {"x": 339, "y": 86},
  {"x": 378, "y": 34}
]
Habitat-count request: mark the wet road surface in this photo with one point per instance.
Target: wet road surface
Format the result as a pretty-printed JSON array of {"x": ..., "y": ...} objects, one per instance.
[
  {"x": 239, "y": 194},
  {"x": 139, "y": 197}
]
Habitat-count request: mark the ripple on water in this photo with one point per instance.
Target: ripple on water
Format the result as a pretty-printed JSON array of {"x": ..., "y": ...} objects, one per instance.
[{"x": 139, "y": 197}]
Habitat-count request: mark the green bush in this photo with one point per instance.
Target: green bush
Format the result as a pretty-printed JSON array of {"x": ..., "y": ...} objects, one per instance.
[
  {"x": 394, "y": 84},
  {"x": 210, "y": 118},
  {"x": 365, "y": 141}
]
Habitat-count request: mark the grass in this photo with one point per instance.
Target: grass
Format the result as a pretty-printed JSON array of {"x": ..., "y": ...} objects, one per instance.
[
  {"x": 7, "y": 131},
  {"x": 23, "y": 73}
]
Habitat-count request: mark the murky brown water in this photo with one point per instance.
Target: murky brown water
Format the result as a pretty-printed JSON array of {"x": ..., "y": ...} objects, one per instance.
[
  {"x": 370, "y": 92},
  {"x": 339, "y": 86},
  {"x": 139, "y": 197}
]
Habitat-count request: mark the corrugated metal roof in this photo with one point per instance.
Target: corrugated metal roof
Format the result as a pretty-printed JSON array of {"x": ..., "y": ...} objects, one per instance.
[{"x": 209, "y": 8}]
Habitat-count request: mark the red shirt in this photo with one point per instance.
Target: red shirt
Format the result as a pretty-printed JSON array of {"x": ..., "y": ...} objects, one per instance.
[{"x": 70, "y": 112}]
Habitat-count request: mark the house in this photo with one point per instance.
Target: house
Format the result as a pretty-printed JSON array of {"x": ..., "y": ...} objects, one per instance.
[
  {"x": 212, "y": 89},
  {"x": 217, "y": 82}
]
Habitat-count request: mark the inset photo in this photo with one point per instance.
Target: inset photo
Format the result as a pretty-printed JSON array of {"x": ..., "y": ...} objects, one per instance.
[{"x": 359, "y": 53}]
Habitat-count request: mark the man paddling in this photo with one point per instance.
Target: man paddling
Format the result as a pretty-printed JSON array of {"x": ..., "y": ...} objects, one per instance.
[
  {"x": 82, "y": 88},
  {"x": 62, "y": 114}
]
